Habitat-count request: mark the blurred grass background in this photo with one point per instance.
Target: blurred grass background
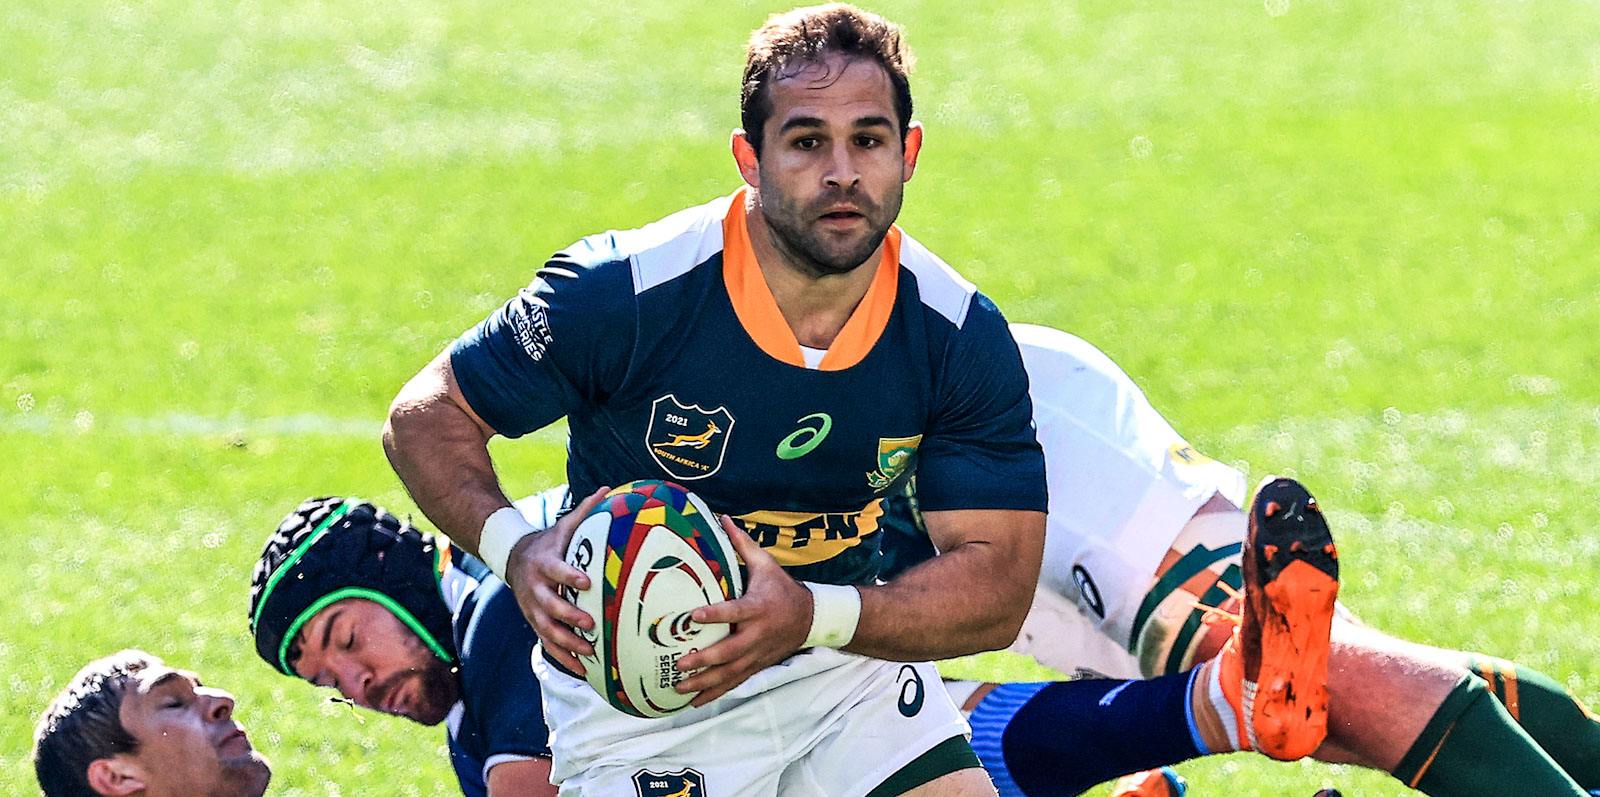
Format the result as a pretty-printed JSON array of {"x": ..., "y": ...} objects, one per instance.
[{"x": 1354, "y": 242}]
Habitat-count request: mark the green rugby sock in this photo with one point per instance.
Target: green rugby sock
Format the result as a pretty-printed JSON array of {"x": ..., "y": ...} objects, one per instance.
[
  {"x": 1555, "y": 719},
  {"x": 1472, "y": 746}
]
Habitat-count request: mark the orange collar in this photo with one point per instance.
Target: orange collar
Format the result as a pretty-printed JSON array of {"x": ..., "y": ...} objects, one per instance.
[{"x": 758, "y": 312}]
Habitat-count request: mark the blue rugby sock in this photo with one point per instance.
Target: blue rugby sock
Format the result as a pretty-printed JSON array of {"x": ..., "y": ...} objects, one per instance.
[{"x": 1062, "y": 738}]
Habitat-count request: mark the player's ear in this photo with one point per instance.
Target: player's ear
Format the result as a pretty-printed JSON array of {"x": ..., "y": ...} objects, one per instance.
[
  {"x": 913, "y": 146},
  {"x": 115, "y": 777},
  {"x": 745, "y": 156}
]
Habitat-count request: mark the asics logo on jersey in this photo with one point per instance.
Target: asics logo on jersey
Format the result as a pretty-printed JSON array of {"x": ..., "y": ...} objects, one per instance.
[{"x": 804, "y": 440}]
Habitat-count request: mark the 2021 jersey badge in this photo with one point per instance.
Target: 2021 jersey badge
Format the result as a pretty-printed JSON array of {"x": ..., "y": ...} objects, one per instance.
[
  {"x": 683, "y": 783},
  {"x": 688, "y": 441}
]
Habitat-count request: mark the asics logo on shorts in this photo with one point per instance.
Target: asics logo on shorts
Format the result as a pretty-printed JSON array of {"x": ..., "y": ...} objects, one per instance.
[
  {"x": 1088, "y": 592},
  {"x": 911, "y": 691}
]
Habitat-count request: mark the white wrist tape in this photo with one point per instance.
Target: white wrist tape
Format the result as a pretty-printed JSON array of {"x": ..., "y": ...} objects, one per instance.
[
  {"x": 835, "y": 613},
  {"x": 501, "y": 531}
]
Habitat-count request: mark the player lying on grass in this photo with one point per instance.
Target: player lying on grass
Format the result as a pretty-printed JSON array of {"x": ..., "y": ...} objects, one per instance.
[
  {"x": 351, "y": 598},
  {"x": 345, "y": 596},
  {"x": 1144, "y": 535},
  {"x": 348, "y": 596},
  {"x": 129, "y": 726}
]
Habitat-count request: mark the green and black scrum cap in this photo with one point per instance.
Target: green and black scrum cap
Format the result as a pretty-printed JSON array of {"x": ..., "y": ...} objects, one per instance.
[{"x": 330, "y": 549}]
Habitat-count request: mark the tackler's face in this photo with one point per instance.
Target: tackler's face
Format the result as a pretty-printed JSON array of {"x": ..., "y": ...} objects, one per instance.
[
  {"x": 832, "y": 170},
  {"x": 189, "y": 742},
  {"x": 361, "y": 649}
]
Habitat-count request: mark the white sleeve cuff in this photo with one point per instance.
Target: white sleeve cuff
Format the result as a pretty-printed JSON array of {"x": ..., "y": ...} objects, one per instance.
[{"x": 502, "y": 758}]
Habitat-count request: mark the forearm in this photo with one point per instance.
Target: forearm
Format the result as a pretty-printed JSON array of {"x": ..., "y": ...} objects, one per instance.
[
  {"x": 969, "y": 599},
  {"x": 440, "y": 452}
]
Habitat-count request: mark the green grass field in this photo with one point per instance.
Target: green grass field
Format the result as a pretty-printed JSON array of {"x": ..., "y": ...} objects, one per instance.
[{"x": 1353, "y": 242}]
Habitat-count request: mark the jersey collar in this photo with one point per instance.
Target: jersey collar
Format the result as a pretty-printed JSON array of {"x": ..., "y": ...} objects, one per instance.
[{"x": 758, "y": 312}]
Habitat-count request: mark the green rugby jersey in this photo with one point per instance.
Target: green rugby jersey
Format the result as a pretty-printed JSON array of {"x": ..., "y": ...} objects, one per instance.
[{"x": 666, "y": 352}]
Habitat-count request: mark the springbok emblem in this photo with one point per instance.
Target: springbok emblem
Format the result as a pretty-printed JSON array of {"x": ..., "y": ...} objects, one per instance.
[{"x": 695, "y": 441}]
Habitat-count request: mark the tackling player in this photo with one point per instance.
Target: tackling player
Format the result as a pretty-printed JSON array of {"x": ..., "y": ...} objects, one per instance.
[
  {"x": 789, "y": 355},
  {"x": 129, "y": 726},
  {"x": 1148, "y": 539},
  {"x": 347, "y": 596}
]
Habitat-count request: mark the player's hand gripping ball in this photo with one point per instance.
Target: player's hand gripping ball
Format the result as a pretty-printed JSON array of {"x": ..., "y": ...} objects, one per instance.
[{"x": 653, "y": 553}]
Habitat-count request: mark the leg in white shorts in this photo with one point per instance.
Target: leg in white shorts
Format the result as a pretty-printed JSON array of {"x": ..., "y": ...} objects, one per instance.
[{"x": 1124, "y": 485}]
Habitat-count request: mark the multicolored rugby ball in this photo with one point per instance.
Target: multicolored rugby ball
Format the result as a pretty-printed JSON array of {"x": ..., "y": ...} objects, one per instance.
[{"x": 654, "y": 553}]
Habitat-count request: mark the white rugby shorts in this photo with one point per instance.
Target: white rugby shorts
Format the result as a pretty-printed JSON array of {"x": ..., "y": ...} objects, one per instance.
[
  {"x": 822, "y": 723},
  {"x": 1122, "y": 485}
]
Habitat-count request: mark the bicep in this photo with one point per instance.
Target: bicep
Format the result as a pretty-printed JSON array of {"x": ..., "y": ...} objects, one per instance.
[
  {"x": 1014, "y": 537},
  {"x": 435, "y": 388},
  {"x": 527, "y": 777}
]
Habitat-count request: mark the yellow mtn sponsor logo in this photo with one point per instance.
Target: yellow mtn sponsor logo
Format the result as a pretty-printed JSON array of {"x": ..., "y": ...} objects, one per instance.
[{"x": 804, "y": 538}]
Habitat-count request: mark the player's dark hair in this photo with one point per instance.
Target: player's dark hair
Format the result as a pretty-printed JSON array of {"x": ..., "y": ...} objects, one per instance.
[
  {"x": 84, "y": 724},
  {"x": 332, "y": 548},
  {"x": 805, "y": 36}
]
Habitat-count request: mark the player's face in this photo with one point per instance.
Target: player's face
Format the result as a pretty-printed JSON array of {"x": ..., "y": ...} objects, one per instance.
[
  {"x": 832, "y": 169},
  {"x": 189, "y": 742},
  {"x": 361, "y": 649}
]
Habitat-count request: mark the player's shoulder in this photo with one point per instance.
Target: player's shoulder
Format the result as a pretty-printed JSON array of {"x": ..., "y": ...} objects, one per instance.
[
  {"x": 1049, "y": 342},
  {"x": 648, "y": 256},
  {"x": 940, "y": 288},
  {"x": 1051, "y": 348},
  {"x": 1061, "y": 364}
]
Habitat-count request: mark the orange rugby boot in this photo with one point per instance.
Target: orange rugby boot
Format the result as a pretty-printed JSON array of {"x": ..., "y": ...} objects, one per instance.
[
  {"x": 1163, "y": 782},
  {"x": 1274, "y": 671}
]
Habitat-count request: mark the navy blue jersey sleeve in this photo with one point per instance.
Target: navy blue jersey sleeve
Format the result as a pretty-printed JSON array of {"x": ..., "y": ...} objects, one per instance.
[
  {"x": 981, "y": 451},
  {"x": 564, "y": 339},
  {"x": 503, "y": 710},
  {"x": 469, "y": 772}
]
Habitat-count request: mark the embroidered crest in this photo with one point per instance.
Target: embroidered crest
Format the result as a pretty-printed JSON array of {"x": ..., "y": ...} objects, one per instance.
[
  {"x": 688, "y": 441},
  {"x": 895, "y": 455},
  {"x": 683, "y": 783}
]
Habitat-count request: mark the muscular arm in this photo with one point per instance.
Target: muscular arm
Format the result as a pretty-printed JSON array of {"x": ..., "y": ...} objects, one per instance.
[
  {"x": 971, "y": 598},
  {"x": 439, "y": 448},
  {"x": 530, "y": 778}
]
